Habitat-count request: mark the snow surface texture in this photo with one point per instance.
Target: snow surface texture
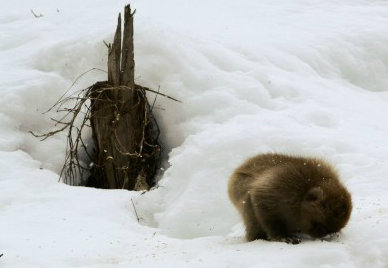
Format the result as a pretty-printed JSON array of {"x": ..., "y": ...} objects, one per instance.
[{"x": 306, "y": 77}]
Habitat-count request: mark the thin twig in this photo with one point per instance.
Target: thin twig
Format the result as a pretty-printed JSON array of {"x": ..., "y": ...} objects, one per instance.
[
  {"x": 137, "y": 217},
  {"x": 36, "y": 16},
  {"x": 75, "y": 81},
  {"x": 156, "y": 92},
  {"x": 156, "y": 95}
]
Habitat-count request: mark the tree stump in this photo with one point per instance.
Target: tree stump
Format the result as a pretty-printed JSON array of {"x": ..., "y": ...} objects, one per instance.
[{"x": 125, "y": 133}]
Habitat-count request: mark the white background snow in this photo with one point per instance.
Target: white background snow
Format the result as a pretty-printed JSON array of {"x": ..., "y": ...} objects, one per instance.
[{"x": 306, "y": 77}]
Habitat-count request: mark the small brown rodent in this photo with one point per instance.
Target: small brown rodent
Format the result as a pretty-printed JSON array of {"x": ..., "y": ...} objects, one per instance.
[{"x": 279, "y": 195}]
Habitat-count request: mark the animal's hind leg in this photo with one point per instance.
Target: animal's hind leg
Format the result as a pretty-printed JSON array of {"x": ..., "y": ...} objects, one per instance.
[{"x": 253, "y": 227}]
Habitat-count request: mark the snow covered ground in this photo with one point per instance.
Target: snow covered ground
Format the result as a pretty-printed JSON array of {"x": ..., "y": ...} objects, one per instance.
[{"x": 307, "y": 77}]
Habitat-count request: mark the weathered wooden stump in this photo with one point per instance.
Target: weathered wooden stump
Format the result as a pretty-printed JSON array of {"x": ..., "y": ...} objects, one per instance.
[
  {"x": 124, "y": 131},
  {"x": 126, "y": 152}
]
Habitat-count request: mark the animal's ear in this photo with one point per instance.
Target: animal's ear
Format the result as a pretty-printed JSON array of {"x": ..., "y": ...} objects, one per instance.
[{"x": 314, "y": 194}]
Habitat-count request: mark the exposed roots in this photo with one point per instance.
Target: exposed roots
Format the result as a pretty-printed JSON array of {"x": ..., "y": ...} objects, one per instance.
[{"x": 103, "y": 102}]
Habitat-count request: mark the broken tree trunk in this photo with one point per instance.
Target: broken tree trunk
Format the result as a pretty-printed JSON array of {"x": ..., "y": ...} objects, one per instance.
[{"x": 125, "y": 134}]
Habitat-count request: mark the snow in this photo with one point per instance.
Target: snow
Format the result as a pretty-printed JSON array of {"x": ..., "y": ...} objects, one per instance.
[{"x": 306, "y": 77}]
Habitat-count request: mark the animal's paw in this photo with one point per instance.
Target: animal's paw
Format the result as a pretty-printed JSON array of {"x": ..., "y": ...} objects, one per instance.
[{"x": 290, "y": 240}]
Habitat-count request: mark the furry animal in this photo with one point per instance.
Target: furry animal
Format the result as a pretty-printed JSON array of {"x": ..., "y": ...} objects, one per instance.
[{"x": 279, "y": 195}]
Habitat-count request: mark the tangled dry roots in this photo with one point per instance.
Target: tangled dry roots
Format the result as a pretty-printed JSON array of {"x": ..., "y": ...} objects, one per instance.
[{"x": 126, "y": 152}]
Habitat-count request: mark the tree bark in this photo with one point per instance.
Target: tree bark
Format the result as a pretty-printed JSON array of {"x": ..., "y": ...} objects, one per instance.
[{"x": 126, "y": 147}]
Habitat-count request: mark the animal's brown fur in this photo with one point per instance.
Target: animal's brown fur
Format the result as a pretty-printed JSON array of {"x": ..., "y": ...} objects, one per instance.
[{"x": 279, "y": 195}]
